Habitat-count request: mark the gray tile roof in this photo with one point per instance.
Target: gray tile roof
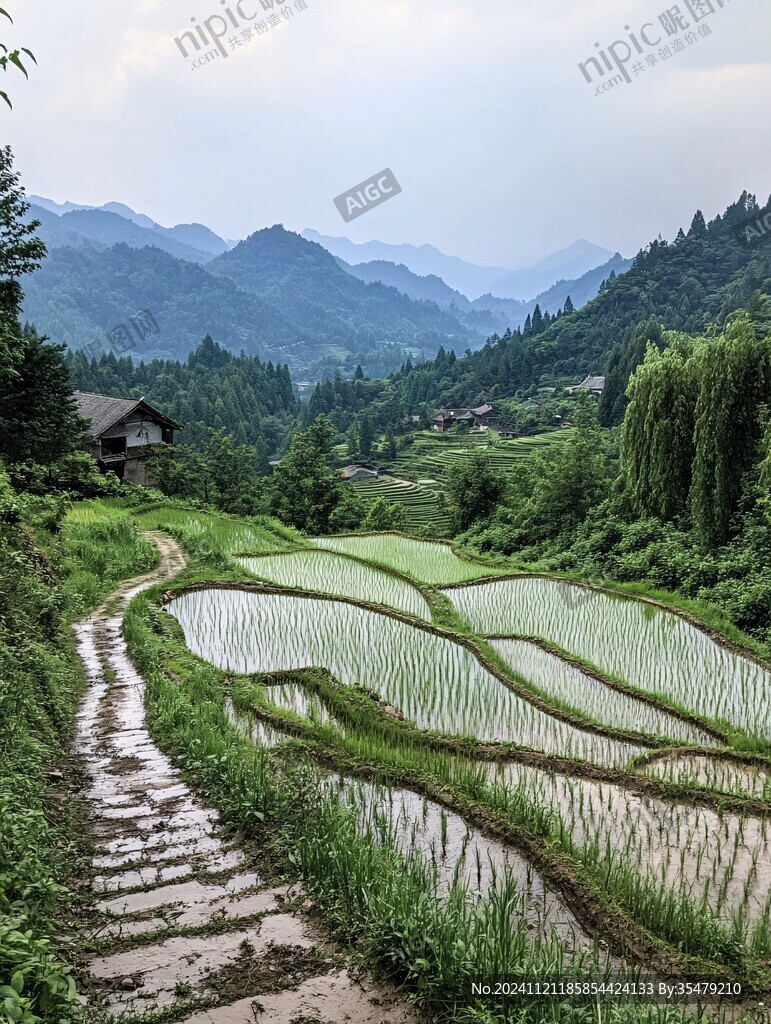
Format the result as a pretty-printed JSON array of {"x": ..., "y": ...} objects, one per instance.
[
  {"x": 593, "y": 383},
  {"x": 104, "y": 411}
]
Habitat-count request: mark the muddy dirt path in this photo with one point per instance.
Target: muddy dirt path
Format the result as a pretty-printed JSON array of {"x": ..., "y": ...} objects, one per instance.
[{"x": 189, "y": 928}]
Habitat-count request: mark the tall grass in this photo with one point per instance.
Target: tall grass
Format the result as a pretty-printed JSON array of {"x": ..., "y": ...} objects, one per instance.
[
  {"x": 211, "y": 534},
  {"x": 98, "y": 551},
  {"x": 45, "y": 580}
]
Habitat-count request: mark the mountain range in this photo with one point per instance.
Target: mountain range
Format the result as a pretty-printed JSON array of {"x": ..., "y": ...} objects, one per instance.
[
  {"x": 470, "y": 279},
  {"x": 275, "y": 294}
]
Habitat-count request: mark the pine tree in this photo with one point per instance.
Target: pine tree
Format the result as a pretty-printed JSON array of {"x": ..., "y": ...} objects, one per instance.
[
  {"x": 568, "y": 308},
  {"x": 365, "y": 436},
  {"x": 20, "y": 253},
  {"x": 698, "y": 224},
  {"x": 537, "y": 322}
]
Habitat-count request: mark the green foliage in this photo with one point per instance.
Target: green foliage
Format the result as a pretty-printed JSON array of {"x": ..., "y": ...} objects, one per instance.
[
  {"x": 20, "y": 253},
  {"x": 383, "y": 515},
  {"x": 211, "y": 390},
  {"x": 38, "y": 419},
  {"x": 735, "y": 384},
  {"x": 221, "y": 473},
  {"x": 13, "y": 57},
  {"x": 306, "y": 493},
  {"x": 549, "y": 497},
  {"x": 658, "y": 445},
  {"x": 474, "y": 488}
]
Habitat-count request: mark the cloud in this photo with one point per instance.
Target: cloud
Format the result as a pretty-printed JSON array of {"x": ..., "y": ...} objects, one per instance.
[{"x": 502, "y": 148}]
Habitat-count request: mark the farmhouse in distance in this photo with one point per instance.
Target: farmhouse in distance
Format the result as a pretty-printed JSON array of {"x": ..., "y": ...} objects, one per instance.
[
  {"x": 481, "y": 418},
  {"x": 124, "y": 432}
]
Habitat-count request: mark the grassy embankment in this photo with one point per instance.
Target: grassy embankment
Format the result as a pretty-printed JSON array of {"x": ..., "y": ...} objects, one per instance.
[{"x": 280, "y": 796}]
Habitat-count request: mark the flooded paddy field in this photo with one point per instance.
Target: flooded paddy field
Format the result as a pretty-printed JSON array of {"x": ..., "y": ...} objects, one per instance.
[
  {"x": 578, "y": 852},
  {"x": 436, "y": 683},
  {"x": 650, "y": 648},
  {"x": 339, "y": 576}
]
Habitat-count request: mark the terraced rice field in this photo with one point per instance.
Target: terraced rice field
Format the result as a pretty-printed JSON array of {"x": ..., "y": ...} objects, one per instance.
[
  {"x": 456, "y": 853},
  {"x": 334, "y": 574},
  {"x": 425, "y": 502},
  {"x": 434, "y": 682},
  {"x": 222, "y": 533},
  {"x": 721, "y": 862},
  {"x": 712, "y": 772},
  {"x": 569, "y": 686},
  {"x": 425, "y": 561},
  {"x": 615, "y": 848},
  {"x": 418, "y": 474},
  {"x": 433, "y": 454},
  {"x": 652, "y": 649}
]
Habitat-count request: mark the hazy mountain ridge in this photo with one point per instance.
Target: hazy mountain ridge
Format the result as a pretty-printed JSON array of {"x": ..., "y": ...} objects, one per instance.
[
  {"x": 469, "y": 279},
  {"x": 274, "y": 295},
  {"x": 195, "y": 242},
  {"x": 495, "y": 312}
]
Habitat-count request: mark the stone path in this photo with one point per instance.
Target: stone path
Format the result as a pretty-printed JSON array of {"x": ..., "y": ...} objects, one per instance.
[{"x": 187, "y": 921}]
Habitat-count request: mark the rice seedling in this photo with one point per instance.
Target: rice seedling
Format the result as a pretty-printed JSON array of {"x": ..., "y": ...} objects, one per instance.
[
  {"x": 419, "y": 829},
  {"x": 215, "y": 530},
  {"x": 567, "y": 684},
  {"x": 719, "y": 863},
  {"x": 716, "y": 773},
  {"x": 339, "y": 576},
  {"x": 426, "y": 561},
  {"x": 299, "y": 701},
  {"x": 96, "y": 510},
  {"x": 652, "y": 649},
  {"x": 252, "y": 727},
  {"x": 433, "y": 681}
]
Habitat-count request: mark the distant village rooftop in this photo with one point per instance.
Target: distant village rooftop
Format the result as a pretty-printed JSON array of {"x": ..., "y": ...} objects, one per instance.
[
  {"x": 482, "y": 417},
  {"x": 594, "y": 384}
]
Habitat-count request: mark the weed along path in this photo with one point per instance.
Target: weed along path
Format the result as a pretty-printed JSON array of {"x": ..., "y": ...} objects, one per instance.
[{"x": 184, "y": 928}]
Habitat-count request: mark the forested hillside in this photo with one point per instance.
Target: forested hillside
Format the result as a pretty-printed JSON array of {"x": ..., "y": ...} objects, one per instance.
[
  {"x": 687, "y": 285},
  {"x": 211, "y": 390},
  {"x": 276, "y": 296}
]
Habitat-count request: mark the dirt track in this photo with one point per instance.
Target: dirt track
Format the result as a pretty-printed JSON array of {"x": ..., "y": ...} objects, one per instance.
[{"x": 190, "y": 927}]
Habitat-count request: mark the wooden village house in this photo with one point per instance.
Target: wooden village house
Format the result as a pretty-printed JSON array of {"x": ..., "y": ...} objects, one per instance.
[
  {"x": 480, "y": 418},
  {"x": 124, "y": 432}
]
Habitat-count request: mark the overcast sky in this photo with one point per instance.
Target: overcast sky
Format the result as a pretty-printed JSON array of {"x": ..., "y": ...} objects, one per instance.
[{"x": 503, "y": 150}]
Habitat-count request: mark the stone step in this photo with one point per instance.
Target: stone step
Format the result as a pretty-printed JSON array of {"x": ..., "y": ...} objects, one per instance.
[
  {"x": 160, "y": 972},
  {"x": 330, "y": 999}
]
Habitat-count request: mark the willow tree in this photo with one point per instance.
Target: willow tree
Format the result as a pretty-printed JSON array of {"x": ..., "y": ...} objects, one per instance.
[
  {"x": 657, "y": 448},
  {"x": 734, "y": 374}
]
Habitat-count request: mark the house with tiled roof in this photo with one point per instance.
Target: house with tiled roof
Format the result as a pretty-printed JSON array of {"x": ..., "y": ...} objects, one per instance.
[
  {"x": 481, "y": 418},
  {"x": 124, "y": 432}
]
